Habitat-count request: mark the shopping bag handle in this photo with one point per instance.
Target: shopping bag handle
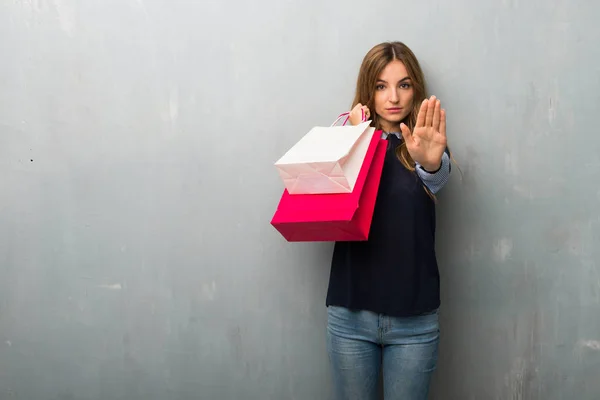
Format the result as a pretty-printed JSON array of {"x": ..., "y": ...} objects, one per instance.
[{"x": 347, "y": 115}]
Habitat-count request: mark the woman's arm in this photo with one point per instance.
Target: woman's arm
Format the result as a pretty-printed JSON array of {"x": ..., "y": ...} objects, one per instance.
[
  {"x": 436, "y": 180},
  {"x": 427, "y": 145}
]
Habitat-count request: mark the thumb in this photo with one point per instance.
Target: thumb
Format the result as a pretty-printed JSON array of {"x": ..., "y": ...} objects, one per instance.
[{"x": 406, "y": 133}]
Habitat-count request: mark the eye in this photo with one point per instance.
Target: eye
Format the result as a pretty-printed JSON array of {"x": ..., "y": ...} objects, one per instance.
[
  {"x": 405, "y": 85},
  {"x": 380, "y": 87}
]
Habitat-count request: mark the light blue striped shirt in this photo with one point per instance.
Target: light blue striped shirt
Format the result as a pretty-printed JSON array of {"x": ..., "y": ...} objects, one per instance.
[{"x": 434, "y": 181}]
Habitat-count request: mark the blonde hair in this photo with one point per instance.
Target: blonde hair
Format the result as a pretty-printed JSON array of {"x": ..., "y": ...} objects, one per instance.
[{"x": 371, "y": 68}]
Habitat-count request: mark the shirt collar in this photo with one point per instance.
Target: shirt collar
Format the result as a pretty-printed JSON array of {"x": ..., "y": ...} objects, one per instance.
[{"x": 384, "y": 135}]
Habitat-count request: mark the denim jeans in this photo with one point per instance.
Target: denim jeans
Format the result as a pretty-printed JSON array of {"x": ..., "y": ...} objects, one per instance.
[{"x": 363, "y": 344}]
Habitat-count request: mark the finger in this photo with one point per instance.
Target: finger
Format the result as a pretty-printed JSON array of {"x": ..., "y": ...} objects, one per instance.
[
  {"x": 354, "y": 117},
  {"x": 436, "y": 116},
  {"x": 421, "y": 116},
  {"x": 443, "y": 122},
  {"x": 430, "y": 110},
  {"x": 408, "y": 137},
  {"x": 365, "y": 114}
]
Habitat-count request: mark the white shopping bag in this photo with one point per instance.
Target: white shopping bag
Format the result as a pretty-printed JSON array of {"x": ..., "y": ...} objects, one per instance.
[{"x": 326, "y": 159}]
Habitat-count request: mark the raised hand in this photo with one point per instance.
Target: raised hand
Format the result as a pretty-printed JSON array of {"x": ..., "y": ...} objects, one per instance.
[{"x": 427, "y": 142}]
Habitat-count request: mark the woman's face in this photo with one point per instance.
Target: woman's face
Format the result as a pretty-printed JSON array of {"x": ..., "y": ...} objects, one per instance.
[{"x": 393, "y": 96}]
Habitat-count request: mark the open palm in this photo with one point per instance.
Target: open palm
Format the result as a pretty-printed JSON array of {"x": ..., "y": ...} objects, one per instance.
[{"x": 427, "y": 143}]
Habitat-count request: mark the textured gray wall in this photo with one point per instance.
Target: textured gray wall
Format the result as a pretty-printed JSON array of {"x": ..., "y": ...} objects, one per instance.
[{"x": 136, "y": 257}]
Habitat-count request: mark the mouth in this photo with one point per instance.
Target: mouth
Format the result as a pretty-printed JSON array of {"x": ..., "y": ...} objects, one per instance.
[{"x": 394, "y": 110}]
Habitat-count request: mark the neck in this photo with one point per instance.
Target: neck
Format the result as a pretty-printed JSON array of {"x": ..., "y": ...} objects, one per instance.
[{"x": 387, "y": 127}]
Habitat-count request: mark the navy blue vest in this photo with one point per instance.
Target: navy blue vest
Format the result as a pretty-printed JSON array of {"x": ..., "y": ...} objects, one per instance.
[{"x": 395, "y": 272}]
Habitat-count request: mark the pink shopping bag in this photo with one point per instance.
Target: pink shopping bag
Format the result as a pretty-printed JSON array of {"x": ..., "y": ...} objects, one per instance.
[{"x": 338, "y": 216}]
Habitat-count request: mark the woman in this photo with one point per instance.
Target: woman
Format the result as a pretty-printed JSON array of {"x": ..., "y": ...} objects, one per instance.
[{"x": 383, "y": 294}]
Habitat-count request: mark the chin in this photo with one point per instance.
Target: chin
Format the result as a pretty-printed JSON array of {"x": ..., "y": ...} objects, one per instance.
[{"x": 396, "y": 118}]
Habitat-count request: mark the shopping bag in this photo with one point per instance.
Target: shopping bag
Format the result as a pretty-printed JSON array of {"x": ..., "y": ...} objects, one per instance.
[
  {"x": 337, "y": 216},
  {"x": 326, "y": 159}
]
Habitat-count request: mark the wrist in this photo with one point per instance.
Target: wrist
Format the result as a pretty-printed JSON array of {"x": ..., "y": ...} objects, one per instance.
[{"x": 431, "y": 168}]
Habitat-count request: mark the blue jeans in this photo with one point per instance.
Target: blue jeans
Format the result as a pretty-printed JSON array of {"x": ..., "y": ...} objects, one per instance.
[{"x": 361, "y": 344}]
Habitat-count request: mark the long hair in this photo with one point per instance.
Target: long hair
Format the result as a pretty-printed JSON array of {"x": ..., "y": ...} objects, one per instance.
[{"x": 372, "y": 66}]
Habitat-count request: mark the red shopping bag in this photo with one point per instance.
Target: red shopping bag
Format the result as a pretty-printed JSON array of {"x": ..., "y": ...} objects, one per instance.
[{"x": 334, "y": 217}]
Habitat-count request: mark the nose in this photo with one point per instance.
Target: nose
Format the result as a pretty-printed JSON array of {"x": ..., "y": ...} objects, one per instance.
[{"x": 394, "y": 98}]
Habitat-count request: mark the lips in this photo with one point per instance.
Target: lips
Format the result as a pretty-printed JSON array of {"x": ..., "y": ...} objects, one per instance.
[{"x": 394, "y": 110}]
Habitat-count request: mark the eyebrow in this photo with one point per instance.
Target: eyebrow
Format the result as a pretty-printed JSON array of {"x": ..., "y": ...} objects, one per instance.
[{"x": 401, "y": 80}]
